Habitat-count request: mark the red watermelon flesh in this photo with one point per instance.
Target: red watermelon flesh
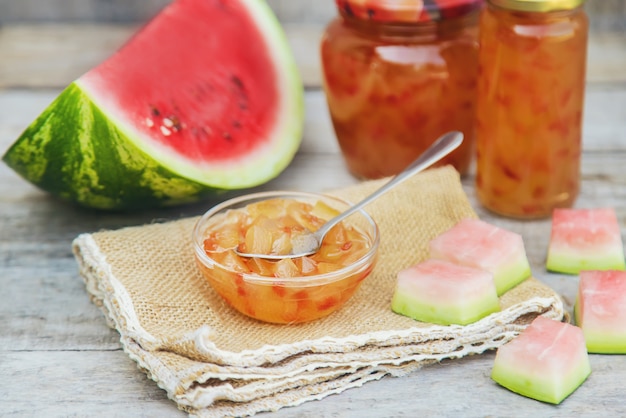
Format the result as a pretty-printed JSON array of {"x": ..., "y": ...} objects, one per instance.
[
  {"x": 478, "y": 244},
  {"x": 546, "y": 362},
  {"x": 211, "y": 109},
  {"x": 600, "y": 310},
  {"x": 205, "y": 97},
  {"x": 444, "y": 293},
  {"x": 585, "y": 239}
]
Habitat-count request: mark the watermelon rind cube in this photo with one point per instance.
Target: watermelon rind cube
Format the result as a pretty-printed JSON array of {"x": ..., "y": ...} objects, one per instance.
[
  {"x": 479, "y": 244},
  {"x": 547, "y": 362},
  {"x": 585, "y": 239},
  {"x": 439, "y": 292},
  {"x": 600, "y": 310}
]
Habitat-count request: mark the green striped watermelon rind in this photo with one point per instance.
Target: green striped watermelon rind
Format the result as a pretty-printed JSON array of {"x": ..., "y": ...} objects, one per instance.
[
  {"x": 76, "y": 152},
  {"x": 99, "y": 167}
]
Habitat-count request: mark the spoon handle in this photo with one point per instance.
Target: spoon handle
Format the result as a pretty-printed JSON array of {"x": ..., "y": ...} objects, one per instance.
[{"x": 439, "y": 149}]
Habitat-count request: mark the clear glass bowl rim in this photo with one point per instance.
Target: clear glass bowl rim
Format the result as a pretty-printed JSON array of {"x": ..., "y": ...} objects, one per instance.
[{"x": 300, "y": 281}]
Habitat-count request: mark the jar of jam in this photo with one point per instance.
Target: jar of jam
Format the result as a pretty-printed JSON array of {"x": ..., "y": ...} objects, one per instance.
[
  {"x": 397, "y": 75},
  {"x": 530, "y": 105}
]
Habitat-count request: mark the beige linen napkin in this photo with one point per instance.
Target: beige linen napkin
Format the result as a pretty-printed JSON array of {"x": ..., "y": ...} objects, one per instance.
[{"x": 213, "y": 361}]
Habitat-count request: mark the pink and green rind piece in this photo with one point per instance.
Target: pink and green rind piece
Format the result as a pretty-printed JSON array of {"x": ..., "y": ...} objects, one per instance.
[
  {"x": 478, "y": 244},
  {"x": 585, "y": 239},
  {"x": 510, "y": 274},
  {"x": 600, "y": 310},
  {"x": 439, "y": 292},
  {"x": 548, "y": 361},
  {"x": 566, "y": 259},
  {"x": 206, "y": 97}
]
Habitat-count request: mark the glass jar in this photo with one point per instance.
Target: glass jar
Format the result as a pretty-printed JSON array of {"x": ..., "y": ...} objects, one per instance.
[
  {"x": 397, "y": 75},
  {"x": 530, "y": 105}
]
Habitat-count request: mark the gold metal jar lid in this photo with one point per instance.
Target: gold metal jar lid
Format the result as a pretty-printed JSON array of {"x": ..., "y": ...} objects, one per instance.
[
  {"x": 537, "y": 5},
  {"x": 407, "y": 11}
]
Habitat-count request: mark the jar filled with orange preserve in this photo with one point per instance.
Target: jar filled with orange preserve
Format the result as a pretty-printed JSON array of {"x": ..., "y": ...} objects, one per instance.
[
  {"x": 398, "y": 74},
  {"x": 530, "y": 105}
]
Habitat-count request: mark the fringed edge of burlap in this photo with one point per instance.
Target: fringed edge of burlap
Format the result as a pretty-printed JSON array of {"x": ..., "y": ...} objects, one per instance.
[
  {"x": 306, "y": 393},
  {"x": 330, "y": 365}
]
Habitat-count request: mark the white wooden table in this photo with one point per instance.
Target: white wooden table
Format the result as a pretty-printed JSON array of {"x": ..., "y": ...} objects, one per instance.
[{"x": 57, "y": 356}]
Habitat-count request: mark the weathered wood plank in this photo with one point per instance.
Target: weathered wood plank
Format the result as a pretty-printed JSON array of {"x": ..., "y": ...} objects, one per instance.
[
  {"x": 140, "y": 10},
  {"x": 108, "y": 384},
  {"x": 450, "y": 390},
  {"x": 78, "y": 384},
  {"x": 51, "y": 56},
  {"x": 44, "y": 302}
]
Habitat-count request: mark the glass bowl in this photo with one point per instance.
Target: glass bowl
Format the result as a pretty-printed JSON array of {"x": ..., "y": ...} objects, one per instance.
[{"x": 266, "y": 295}]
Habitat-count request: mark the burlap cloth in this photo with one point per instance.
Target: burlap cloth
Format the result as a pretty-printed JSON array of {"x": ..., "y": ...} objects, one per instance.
[{"x": 213, "y": 361}]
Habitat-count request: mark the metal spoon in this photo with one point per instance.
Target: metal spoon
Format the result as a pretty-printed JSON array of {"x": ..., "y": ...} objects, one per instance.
[{"x": 307, "y": 244}]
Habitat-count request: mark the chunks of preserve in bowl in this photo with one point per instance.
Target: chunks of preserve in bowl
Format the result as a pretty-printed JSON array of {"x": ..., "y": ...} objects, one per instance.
[
  {"x": 272, "y": 227},
  {"x": 290, "y": 290}
]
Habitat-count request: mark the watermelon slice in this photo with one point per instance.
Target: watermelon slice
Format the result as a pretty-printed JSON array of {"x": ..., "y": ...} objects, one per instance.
[
  {"x": 585, "y": 239},
  {"x": 600, "y": 310},
  {"x": 205, "y": 97},
  {"x": 546, "y": 362},
  {"x": 440, "y": 292},
  {"x": 478, "y": 244}
]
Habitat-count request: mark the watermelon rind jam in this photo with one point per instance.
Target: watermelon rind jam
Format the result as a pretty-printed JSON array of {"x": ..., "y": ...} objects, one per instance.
[
  {"x": 206, "y": 97},
  {"x": 443, "y": 293},
  {"x": 600, "y": 310},
  {"x": 548, "y": 361},
  {"x": 585, "y": 239}
]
